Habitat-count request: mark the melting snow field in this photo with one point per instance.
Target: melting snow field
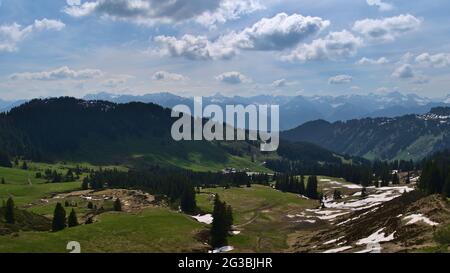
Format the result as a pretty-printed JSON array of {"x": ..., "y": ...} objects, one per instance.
[
  {"x": 376, "y": 238},
  {"x": 207, "y": 218},
  {"x": 414, "y": 218}
]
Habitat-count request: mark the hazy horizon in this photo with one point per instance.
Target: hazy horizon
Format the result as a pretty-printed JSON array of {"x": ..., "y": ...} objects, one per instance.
[{"x": 241, "y": 47}]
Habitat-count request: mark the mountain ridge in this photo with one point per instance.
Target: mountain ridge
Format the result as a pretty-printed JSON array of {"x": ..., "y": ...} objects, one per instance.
[{"x": 405, "y": 137}]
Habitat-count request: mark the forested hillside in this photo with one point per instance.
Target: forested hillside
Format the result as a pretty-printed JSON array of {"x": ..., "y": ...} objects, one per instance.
[{"x": 407, "y": 137}]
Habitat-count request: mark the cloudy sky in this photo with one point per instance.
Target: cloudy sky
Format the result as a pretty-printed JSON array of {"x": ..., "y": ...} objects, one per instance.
[{"x": 235, "y": 47}]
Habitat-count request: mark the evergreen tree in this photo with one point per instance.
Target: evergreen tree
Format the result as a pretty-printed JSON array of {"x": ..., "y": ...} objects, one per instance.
[
  {"x": 117, "y": 205},
  {"x": 59, "y": 218},
  {"x": 24, "y": 165},
  {"x": 90, "y": 205},
  {"x": 5, "y": 161},
  {"x": 187, "y": 202},
  {"x": 9, "y": 211},
  {"x": 408, "y": 179},
  {"x": 229, "y": 218},
  {"x": 3, "y": 181},
  {"x": 395, "y": 179},
  {"x": 72, "y": 221},
  {"x": 446, "y": 190},
  {"x": 85, "y": 184},
  {"x": 219, "y": 227},
  {"x": 311, "y": 187},
  {"x": 301, "y": 185}
]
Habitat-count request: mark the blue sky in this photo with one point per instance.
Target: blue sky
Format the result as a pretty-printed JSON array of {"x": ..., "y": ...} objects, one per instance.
[{"x": 235, "y": 47}]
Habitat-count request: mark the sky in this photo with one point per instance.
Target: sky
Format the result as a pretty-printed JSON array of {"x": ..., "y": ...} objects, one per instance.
[{"x": 233, "y": 47}]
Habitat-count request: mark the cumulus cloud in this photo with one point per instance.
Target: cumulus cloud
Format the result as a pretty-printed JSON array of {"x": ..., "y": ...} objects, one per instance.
[
  {"x": 61, "y": 73},
  {"x": 340, "y": 79},
  {"x": 12, "y": 34},
  {"x": 149, "y": 12},
  {"x": 438, "y": 60},
  {"x": 194, "y": 47},
  {"x": 277, "y": 33},
  {"x": 335, "y": 45},
  {"x": 229, "y": 10},
  {"x": 167, "y": 76},
  {"x": 387, "y": 29},
  {"x": 404, "y": 71},
  {"x": 233, "y": 77},
  {"x": 382, "y": 6},
  {"x": 379, "y": 61}
]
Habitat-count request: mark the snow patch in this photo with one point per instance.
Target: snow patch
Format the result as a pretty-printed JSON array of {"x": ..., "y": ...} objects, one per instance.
[
  {"x": 414, "y": 218},
  {"x": 337, "y": 250},
  {"x": 376, "y": 238},
  {"x": 207, "y": 218},
  {"x": 222, "y": 249}
]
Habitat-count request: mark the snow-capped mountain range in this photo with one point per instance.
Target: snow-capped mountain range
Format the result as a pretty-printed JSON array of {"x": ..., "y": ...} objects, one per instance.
[{"x": 294, "y": 110}]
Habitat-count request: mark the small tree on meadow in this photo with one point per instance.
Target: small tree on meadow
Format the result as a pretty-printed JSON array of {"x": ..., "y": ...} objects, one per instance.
[
  {"x": 59, "y": 218},
  {"x": 117, "y": 205},
  {"x": 72, "y": 221},
  {"x": 9, "y": 211}
]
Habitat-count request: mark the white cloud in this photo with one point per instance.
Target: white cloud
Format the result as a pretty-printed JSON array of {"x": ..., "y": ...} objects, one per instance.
[
  {"x": 58, "y": 74},
  {"x": 387, "y": 29},
  {"x": 233, "y": 77},
  {"x": 405, "y": 71},
  {"x": 149, "y": 12},
  {"x": 229, "y": 10},
  {"x": 194, "y": 47},
  {"x": 277, "y": 33},
  {"x": 379, "y": 61},
  {"x": 437, "y": 60},
  {"x": 73, "y": 2},
  {"x": 11, "y": 35},
  {"x": 382, "y": 6},
  {"x": 279, "y": 83},
  {"x": 167, "y": 76},
  {"x": 335, "y": 45},
  {"x": 340, "y": 79}
]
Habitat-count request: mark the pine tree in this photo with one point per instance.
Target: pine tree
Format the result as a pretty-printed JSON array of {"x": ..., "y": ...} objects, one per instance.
[
  {"x": 446, "y": 190},
  {"x": 229, "y": 218},
  {"x": 187, "y": 202},
  {"x": 24, "y": 165},
  {"x": 219, "y": 228},
  {"x": 395, "y": 179},
  {"x": 9, "y": 212},
  {"x": 59, "y": 218},
  {"x": 301, "y": 185},
  {"x": 117, "y": 205},
  {"x": 72, "y": 221},
  {"x": 3, "y": 181},
  {"x": 85, "y": 184},
  {"x": 408, "y": 179},
  {"x": 311, "y": 187}
]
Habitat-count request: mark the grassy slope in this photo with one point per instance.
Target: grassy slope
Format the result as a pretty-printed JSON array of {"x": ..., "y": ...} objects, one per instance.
[
  {"x": 18, "y": 186},
  {"x": 260, "y": 213},
  {"x": 153, "y": 230}
]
